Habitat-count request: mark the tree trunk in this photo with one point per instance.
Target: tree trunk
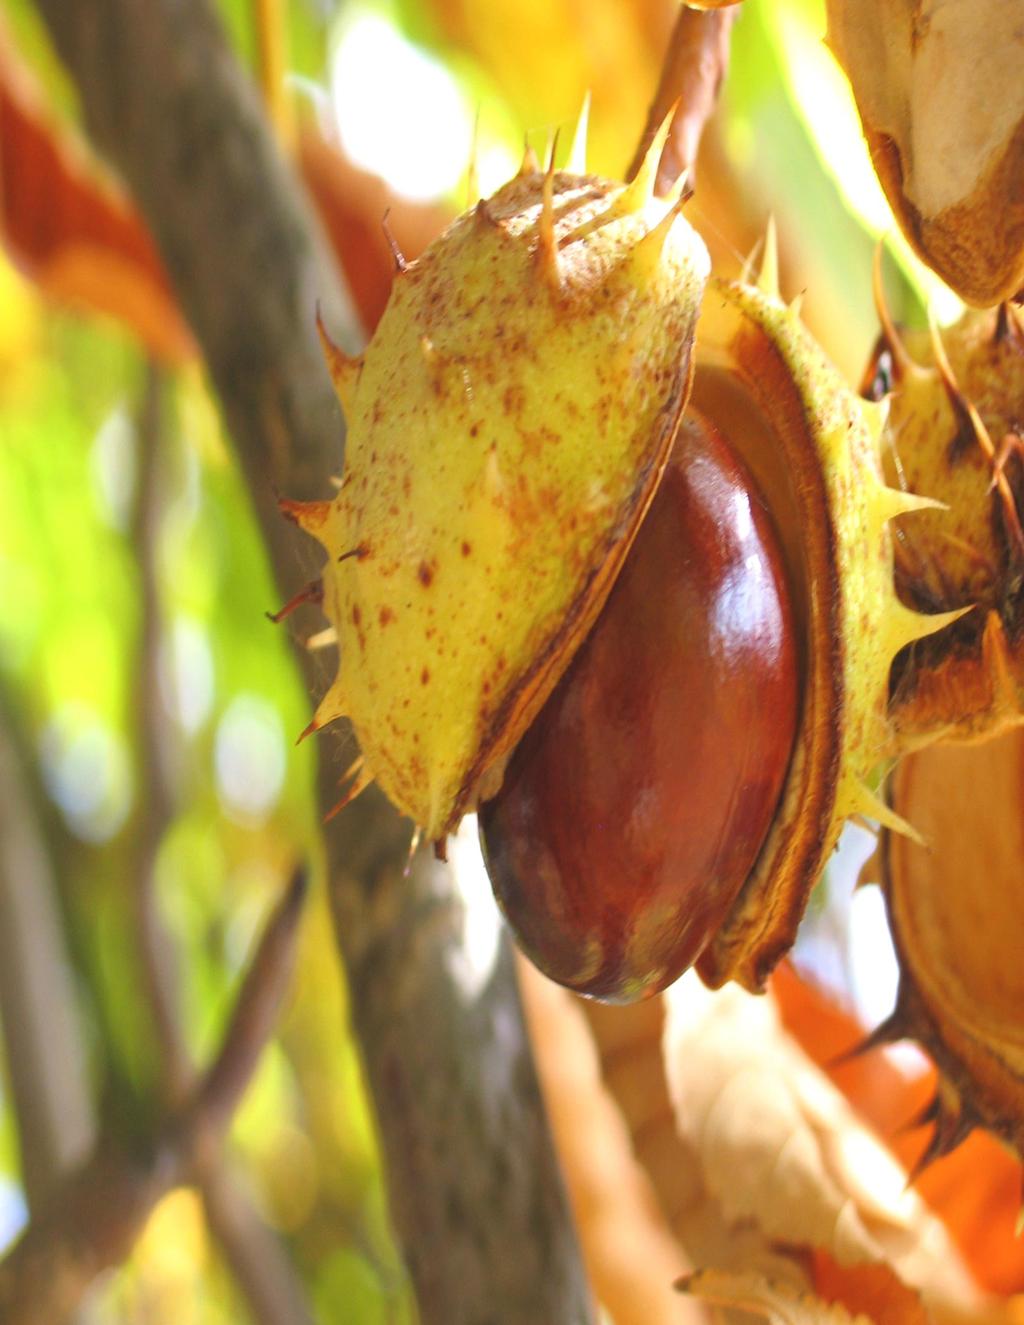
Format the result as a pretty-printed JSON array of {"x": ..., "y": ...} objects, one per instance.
[{"x": 476, "y": 1196}]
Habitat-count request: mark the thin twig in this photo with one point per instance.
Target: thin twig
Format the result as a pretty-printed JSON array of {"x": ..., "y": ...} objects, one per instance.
[
  {"x": 257, "y": 1256},
  {"x": 94, "y": 1215},
  {"x": 155, "y": 799},
  {"x": 694, "y": 66},
  {"x": 266, "y": 1279},
  {"x": 42, "y": 1037},
  {"x": 255, "y": 1009}
]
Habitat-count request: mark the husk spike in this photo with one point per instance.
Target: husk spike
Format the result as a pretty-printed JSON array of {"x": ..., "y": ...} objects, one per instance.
[
  {"x": 577, "y": 162},
  {"x": 322, "y": 639},
  {"x": 640, "y": 189},
  {"x": 901, "y": 360},
  {"x": 362, "y": 777},
  {"x": 768, "y": 275},
  {"x": 903, "y": 626},
  {"x": 307, "y": 731},
  {"x": 547, "y": 246},
  {"x": 472, "y": 171},
  {"x": 529, "y": 165},
  {"x": 310, "y": 516},
  {"x": 396, "y": 252},
  {"x": 874, "y": 807},
  {"x": 894, "y": 502},
  {"x": 313, "y": 592},
  {"x": 414, "y": 843},
  {"x": 484, "y": 215},
  {"x": 1008, "y": 326},
  {"x": 332, "y": 706},
  {"x": 951, "y": 1129},
  {"x": 646, "y": 253},
  {"x": 344, "y": 370},
  {"x": 889, "y": 1031},
  {"x": 681, "y": 191}
]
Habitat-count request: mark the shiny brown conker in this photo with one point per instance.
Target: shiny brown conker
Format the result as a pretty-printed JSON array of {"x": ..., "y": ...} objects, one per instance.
[{"x": 635, "y": 805}]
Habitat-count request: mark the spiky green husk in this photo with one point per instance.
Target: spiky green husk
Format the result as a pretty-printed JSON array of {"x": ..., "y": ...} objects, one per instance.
[
  {"x": 815, "y": 450},
  {"x": 508, "y": 425}
]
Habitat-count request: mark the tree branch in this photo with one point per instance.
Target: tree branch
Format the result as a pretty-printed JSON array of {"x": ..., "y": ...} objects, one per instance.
[
  {"x": 475, "y": 1190},
  {"x": 93, "y": 1217},
  {"x": 158, "y": 975},
  {"x": 266, "y": 1280},
  {"x": 42, "y": 1037}
]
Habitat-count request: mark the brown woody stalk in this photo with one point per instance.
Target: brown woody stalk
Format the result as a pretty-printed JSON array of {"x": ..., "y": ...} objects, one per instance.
[
  {"x": 692, "y": 73},
  {"x": 46, "y": 1071},
  {"x": 475, "y": 1191}
]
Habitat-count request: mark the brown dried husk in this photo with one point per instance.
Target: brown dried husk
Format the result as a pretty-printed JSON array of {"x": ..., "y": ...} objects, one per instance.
[
  {"x": 957, "y": 698},
  {"x": 956, "y": 908},
  {"x": 941, "y": 102},
  {"x": 952, "y": 434}
]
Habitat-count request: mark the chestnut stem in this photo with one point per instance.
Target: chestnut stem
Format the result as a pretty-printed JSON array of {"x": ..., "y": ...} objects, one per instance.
[
  {"x": 91, "y": 1218},
  {"x": 692, "y": 73}
]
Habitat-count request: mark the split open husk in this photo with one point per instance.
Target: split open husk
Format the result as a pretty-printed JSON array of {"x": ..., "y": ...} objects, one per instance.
[{"x": 941, "y": 101}]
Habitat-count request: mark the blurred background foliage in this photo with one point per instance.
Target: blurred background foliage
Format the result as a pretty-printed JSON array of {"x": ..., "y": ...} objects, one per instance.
[{"x": 148, "y": 707}]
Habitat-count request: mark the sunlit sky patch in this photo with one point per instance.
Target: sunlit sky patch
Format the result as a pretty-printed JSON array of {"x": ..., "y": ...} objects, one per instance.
[
  {"x": 13, "y": 1212},
  {"x": 874, "y": 970},
  {"x": 472, "y": 962},
  {"x": 403, "y": 115},
  {"x": 398, "y": 111}
]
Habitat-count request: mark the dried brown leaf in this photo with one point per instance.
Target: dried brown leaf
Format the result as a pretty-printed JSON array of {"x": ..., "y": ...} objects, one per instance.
[
  {"x": 976, "y": 1190},
  {"x": 775, "y": 1301},
  {"x": 780, "y": 1148},
  {"x": 351, "y": 203},
  {"x": 70, "y": 226},
  {"x": 753, "y": 1104}
]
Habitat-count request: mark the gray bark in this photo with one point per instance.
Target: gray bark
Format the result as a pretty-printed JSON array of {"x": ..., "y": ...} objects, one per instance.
[{"x": 476, "y": 1196}]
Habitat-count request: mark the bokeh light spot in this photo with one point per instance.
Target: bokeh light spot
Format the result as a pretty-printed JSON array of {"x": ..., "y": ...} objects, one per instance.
[
  {"x": 113, "y": 467},
  {"x": 87, "y": 772},
  {"x": 399, "y": 112},
  {"x": 186, "y": 674},
  {"x": 249, "y": 757},
  {"x": 13, "y": 1212}
]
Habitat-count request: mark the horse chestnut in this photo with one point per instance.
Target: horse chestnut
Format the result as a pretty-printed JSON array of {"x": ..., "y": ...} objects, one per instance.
[
  {"x": 515, "y": 409},
  {"x": 635, "y": 806}
]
